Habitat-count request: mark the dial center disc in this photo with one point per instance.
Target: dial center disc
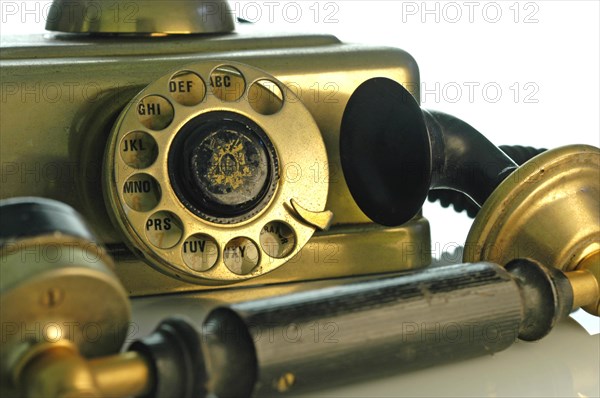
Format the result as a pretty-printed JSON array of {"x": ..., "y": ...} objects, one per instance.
[{"x": 223, "y": 167}]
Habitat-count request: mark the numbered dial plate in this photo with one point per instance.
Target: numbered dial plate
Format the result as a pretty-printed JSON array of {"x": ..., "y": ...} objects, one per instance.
[{"x": 202, "y": 167}]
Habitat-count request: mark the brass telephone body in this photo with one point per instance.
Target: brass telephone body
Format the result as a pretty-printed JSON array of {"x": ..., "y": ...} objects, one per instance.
[{"x": 53, "y": 146}]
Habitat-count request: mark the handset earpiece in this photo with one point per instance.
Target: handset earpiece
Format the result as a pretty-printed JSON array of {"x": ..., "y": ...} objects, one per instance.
[
  {"x": 546, "y": 210},
  {"x": 393, "y": 152}
]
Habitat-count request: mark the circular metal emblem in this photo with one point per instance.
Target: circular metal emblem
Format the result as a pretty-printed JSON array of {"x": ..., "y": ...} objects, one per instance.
[{"x": 223, "y": 167}]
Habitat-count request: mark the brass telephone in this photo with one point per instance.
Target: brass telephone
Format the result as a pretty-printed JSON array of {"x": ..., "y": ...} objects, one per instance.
[
  {"x": 125, "y": 149},
  {"x": 218, "y": 167}
]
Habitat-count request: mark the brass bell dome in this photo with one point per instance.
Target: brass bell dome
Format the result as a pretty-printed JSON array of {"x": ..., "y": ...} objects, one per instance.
[{"x": 140, "y": 17}]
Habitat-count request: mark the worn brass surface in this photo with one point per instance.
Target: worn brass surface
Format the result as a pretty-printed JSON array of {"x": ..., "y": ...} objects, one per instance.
[
  {"x": 321, "y": 220},
  {"x": 58, "y": 370},
  {"x": 122, "y": 375},
  {"x": 297, "y": 141},
  {"x": 94, "y": 78},
  {"x": 57, "y": 289},
  {"x": 54, "y": 370},
  {"x": 140, "y": 16},
  {"x": 547, "y": 210},
  {"x": 359, "y": 250},
  {"x": 95, "y": 82},
  {"x": 585, "y": 281}
]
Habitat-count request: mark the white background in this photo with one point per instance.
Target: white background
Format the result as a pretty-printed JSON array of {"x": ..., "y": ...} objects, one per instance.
[
  {"x": 523, "y": 72},
  {"x": 543, "y": 55}
]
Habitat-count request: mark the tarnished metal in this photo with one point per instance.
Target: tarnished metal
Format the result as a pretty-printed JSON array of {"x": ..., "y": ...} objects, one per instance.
[
  {"x": 61, "y": 279},
  {"x": 64, "y": 159},
  {"x": 226, "y": 173},
  {"x": 57, "y": 289},
  {"x": 585, "y": 281},
  {"x": 59, "y": 370},
  {"x": 140, "y": 17},
  {"x": 271, "y": 345},
  {"x": 547, "y": 210},
  {"x": 338, "y": 252},
  {"x": 123, "y": 375},
  {"x": 321, "y": 220},
  {"x": 303, "y": 341}
]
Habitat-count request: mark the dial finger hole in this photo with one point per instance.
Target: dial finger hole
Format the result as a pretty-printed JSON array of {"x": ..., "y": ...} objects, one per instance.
[
  {"x": 241, "y": 256},
  {"x": 227, "y": 83},
  {"x": 141, "y": 192},
  {"x": 265, "y": 97},
  {"x": 277, "y": 239},
  {"x": 138, "y": 149},
  {"x": 200, "y": 252},
  {"x": 187, "y": 88},
  {"x": 163, "y": 229},
  {"x": 155, "y": 112}
]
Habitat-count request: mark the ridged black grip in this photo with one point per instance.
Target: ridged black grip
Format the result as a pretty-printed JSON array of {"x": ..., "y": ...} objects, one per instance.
[
  {"x": 461, "y": 202},
  {"x": 378, "y": 327}
]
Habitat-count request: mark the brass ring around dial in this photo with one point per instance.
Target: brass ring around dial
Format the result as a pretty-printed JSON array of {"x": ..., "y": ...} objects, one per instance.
[{"x": 201, "y": 169}]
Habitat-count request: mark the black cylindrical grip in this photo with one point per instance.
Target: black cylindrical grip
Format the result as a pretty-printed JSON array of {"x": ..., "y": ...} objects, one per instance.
[{"x": 375, "y": 327}]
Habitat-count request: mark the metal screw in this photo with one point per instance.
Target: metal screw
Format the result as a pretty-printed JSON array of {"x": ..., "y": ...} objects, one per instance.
[
  {"x": 52, "y": 297},
  {"x": 285, "y": 382}
]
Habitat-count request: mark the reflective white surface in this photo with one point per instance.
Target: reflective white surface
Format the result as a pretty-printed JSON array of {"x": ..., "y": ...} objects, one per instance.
[{"x": 564, "y": 364}]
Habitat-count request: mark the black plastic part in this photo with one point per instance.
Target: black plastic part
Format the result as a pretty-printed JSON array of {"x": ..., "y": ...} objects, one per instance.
[
  {"x": 547, "y": 297},
  {"x": 385, "y": 151},
  {"x": 29, "y": 217},
  {"x": 458, "y": 200},
  {"x": 521, "y": 154},
  {"x": 464, "y": 160},
  {"x": 393, "y": 153},
  {"x": 230, "y": 350},
  {"x": 461, "y": 202},
  {"x": 175, "y": 354},
  {"x": 223, "y": 167}
]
